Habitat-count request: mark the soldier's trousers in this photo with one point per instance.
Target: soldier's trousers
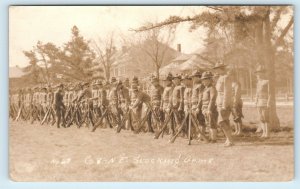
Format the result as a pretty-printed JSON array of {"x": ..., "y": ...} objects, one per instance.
[
  {"x": 155, "y": 119},
  {"x": 60, "y": 117}
]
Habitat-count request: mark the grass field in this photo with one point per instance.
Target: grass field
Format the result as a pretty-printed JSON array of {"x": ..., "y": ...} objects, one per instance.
[{"x": 45, "y": 153}]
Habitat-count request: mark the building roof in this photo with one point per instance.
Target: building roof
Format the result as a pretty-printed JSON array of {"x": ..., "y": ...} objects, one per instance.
[{"x": 195, "y": 62}]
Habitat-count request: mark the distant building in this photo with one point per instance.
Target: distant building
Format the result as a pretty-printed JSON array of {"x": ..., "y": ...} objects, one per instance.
[
  {"x": 15, "y": 77},
  {"x": 15, "y": 72},
  {"x": 134, "y": 61}
]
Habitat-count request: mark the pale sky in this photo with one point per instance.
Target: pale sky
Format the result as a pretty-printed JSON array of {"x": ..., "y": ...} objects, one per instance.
[{"x": 30, "y": 24}]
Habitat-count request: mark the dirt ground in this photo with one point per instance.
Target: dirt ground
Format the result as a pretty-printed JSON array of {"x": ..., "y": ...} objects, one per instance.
[{"x": 45, "y": 153}]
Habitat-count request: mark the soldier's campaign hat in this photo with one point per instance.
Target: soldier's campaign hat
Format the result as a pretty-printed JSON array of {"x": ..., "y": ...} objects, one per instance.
[
  {"x": 135, "y": 79},
  {"x": 207, "y": 75},
  {"x": 113, "y": 80},
  {"x": 177, "y": 76},
  {"x": 59, "y": 85},
  {"x": 134, "y": 87},
  {"x": 154, "y": 79},
  {"x": 196, "y": 73},
  {"x": 106, "y": 83},
  {"x": 126, "y": 81},
  {"x": 220, "y": 65},
  {"x": 169, "y": 77},
  {"x": 99, "y": 83},
  {"x": 260, "y": 69},
  {"x": 186, "y": 77},
  {"x": 120, "y": 82},
  {"x": 95, "y": 83},
  {"x": 85, "y": 84}
]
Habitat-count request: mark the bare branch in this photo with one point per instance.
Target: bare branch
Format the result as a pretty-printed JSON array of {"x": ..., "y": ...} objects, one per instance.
[
  {"x": 277, "y": 17},
  {"x": 284, "y": 32},
  {"x": 172, "y": 20}
]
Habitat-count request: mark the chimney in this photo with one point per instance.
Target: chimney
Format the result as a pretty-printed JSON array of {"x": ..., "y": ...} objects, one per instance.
[{"x": 179, "y": 47}]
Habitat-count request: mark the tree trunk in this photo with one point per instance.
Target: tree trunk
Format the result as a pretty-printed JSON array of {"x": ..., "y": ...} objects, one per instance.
[
  {"x": 107, "y": 72},
  {"x": 157, "y": 72},
  {"x": 269, "y": 61}
]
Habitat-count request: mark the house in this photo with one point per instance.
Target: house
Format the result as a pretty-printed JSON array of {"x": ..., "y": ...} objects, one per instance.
[{"x": 134, "y": 61}]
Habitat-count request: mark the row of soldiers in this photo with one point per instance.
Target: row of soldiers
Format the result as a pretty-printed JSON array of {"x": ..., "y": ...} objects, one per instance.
[{"x": 188, "y": 106}]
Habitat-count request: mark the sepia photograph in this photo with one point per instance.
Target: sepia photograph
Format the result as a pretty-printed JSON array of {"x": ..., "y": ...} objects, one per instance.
[{"x": 151, "y": 93}]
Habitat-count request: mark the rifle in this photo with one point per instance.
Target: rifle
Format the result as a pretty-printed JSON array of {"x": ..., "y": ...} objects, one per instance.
[
  {"x": 191, "y": 120},
  {"x": 125, "y": 117},
  {"x": 99, "y": 121}
]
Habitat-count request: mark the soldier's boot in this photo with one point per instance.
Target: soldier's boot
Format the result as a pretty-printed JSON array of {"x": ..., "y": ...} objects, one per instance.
[
  {"x": 235, "y": 128},
  {"x": 202, "y": 130},
  {"x": 213, "y": 135},
  {"x": 240, "y": 132},
  {"x": 267, "y": 130},
  {"x": 259, "y": 128},
  {"x": 263, "y": 128},
  {"x": 227, "y": 132}
]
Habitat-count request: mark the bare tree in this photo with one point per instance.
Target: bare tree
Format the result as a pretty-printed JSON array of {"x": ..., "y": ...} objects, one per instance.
[
  {"x": 156, "y": 44},
  {"x": 105, "y": 50}
]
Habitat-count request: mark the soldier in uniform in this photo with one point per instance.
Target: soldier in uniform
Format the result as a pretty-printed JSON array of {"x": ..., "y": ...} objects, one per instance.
[
  {"x": 85, "y": 97},
  {"x": 178, "y": 99},
  {"x": 102, "y": 94},
  {"x": 95, "y": 97},
  {"x": 197, "y": 91},
  {"x": 156, "y": 91},
  {"x": 43, "y": 101},
  {"x": 34, "y": 108},
  {"x": 126, "y": 83},
  {"x": 137, "y": 100},
  {"x": 124, "y": 100},
  {"x": 224, "y": 101},
  {"x": 187, "y": 99},
  {"x": 114, "y": 102},
  {"x": 59, "y": 105},
  {"x": 262, "y": 100},
  {"x": 21, "y": 99},
  {"x": 27, "y": 101},
  {"x": 208, "y": 104},
  {"x": 237, "y": 105},
  {"x": 135, "y": 81},
  {"x": 50, "y": 99},
  {"x": 166, "y": 102}
]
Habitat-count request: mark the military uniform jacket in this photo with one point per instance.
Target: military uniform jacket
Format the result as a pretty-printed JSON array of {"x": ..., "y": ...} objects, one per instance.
[
  {"x": 113, "y": 96},
  {"x": 208, "y": 98},
  {"x": 187, "y": 96},
  {"x": 236, "y": 94},
  {"x": 43, "y": 98},
  {"x": 262, "y": 93},
  {"x": 58, "y": 100},
  {"x": 177, "y": 97},
  {"x": 197, "y": 91},
  {"x": 224, "y": 91},
  {"x": 124, "y": 96},
  {"x": 50, "y": 97},
  {"x": 167, "y": 98},
  {"x": 156, "y": 95},
  {"x": 95, "y": 96},
  {"x": 84, "y": 94},
  {"x": 141, "y": 98},
  {"x": 102, "y": 97}
]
